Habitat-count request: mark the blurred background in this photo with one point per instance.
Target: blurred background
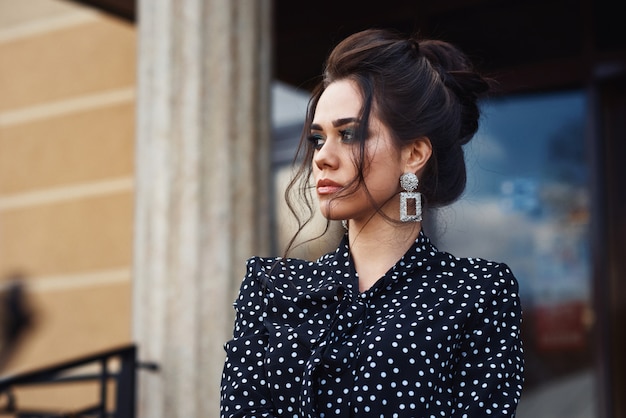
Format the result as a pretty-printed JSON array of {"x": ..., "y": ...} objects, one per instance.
[{"x": 81, "y": 182}]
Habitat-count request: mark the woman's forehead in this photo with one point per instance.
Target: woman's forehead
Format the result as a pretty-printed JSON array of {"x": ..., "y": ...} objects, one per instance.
[{"x": 340, "y": 100}]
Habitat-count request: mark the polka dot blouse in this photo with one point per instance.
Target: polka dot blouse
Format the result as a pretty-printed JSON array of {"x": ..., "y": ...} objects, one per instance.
[{"x": 436, "y": 336}]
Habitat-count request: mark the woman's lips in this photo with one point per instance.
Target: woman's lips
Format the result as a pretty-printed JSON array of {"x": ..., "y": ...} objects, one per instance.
[{"x": 327, "y": 187}]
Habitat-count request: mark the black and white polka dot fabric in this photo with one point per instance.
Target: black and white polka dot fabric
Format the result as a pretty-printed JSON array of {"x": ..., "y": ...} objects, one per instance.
[{"x": 437, "y": 336}]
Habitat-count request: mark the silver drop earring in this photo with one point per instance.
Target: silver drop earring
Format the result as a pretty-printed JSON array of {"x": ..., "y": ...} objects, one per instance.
[
  {"x": 409, "y": 182},
  {"x": 344, "y": 223}
]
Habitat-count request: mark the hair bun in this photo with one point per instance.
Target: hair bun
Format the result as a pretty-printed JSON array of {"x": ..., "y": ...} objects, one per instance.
[
  {"x": 465, "y": 82},
  {"x": 455, "y": 70},
  {"x": 459, "y": 77}
]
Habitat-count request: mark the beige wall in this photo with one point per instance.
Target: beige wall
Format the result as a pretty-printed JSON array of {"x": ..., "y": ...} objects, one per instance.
[{"x": 67, "y": 87}]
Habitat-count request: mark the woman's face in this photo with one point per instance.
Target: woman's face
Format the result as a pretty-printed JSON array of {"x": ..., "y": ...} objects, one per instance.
[{"x": 334, "y": 170}]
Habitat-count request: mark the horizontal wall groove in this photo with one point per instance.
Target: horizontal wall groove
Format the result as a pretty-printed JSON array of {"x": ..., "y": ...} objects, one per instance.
[
  {"x": 66, "y": 193},
  {"x": 75, "y": 280},
  {"x": 46, "y": 25},
  {"x": 67, "y": 106}
]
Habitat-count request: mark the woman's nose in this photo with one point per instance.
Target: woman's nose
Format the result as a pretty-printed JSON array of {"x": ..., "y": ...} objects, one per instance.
[{"x": 326, "y": 156}]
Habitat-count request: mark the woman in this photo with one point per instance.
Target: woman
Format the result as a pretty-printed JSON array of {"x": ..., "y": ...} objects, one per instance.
[{"x": 386, "y": 325}]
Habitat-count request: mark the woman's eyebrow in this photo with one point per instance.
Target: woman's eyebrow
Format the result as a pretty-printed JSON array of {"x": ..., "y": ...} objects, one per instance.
[
  {"x": 336, "y": 123},
  {"x": 343, "y": 121}
]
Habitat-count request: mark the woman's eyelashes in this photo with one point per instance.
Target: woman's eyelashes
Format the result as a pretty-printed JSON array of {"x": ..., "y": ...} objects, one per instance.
[
  {"x": 347, "y": 135},
  {"x": 318, "y": 140}
]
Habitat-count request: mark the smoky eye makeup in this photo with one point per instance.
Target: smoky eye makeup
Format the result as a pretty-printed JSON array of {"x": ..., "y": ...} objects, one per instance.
[
  {"x": 346, "y": 129},
  {"x": 348, "y": 135},
  {"x": 317, "y": 140}
]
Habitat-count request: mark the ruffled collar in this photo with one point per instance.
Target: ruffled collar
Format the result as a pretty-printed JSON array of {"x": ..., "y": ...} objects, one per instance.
[
  {"x": 417, "y": 255},
  {"x": 336, "y": 345}
]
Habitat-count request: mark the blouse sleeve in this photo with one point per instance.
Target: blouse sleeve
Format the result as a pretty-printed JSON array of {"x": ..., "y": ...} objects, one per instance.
[
  {"x": 489, "y": 379},
  {"x": 244, "y": 389}
]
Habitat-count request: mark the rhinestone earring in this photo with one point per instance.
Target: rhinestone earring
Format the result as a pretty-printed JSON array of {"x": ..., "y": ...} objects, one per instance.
[{"x": 409, "y": 182}]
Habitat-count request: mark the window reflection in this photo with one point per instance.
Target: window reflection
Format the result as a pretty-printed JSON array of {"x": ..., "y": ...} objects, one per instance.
[{"x": 527, "y": 204}]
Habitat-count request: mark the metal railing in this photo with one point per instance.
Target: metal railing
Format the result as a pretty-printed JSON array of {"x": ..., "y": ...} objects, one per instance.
[{"x": 117, "y": 366}]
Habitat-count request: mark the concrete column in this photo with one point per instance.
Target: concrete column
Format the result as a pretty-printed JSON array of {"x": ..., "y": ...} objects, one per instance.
[{"x": 202, "y": 185}]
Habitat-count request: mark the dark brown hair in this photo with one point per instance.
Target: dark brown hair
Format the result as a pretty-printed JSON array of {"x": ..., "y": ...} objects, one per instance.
[{"x": 418, "y": 88}]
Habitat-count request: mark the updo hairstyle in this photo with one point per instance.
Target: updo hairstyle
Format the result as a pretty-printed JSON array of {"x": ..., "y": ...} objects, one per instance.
[{"x": 418, "y": 88}]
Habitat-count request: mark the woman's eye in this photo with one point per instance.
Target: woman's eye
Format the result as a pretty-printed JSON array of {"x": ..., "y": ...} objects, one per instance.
[
  {"x": 347, "y": 135},
  {"x": 317, "y": 140}
]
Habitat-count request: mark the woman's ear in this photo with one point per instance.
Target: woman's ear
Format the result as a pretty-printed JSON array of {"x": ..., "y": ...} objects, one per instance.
[{"x": 416, "y": 154}]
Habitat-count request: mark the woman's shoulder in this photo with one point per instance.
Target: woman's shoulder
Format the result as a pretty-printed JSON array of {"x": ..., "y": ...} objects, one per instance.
[
  {"x": 271, "y": 263},
  {"x": 474, "y": 269},
  {"x": 482, "y": 271},
  {"x": 288, "y": 277},
  {"x": 285, "y": 267}
]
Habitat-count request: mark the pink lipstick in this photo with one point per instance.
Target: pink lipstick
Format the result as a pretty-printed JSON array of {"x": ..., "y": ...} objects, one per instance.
[{"x": 325, "y": 186}]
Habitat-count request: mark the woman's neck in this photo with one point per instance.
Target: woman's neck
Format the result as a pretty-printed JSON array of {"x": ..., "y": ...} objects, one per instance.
[{"x": 378, "y": 245}]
